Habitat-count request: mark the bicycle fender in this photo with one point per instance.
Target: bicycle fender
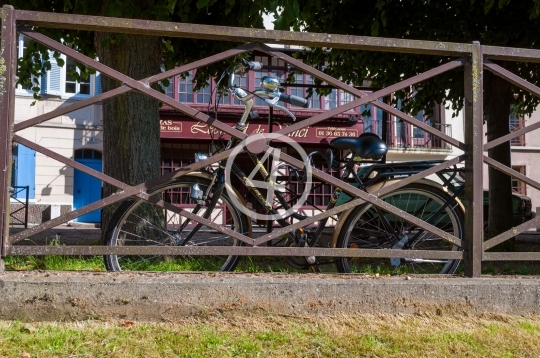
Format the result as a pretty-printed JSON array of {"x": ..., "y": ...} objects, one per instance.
[
  {"x": 372, "y": 189},
  {"x": 237, "y": 195}
]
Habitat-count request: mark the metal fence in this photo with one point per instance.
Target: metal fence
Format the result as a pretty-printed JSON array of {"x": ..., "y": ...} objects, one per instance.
[
  {"x": 474, "y": 57},
  {"x": 19, "y": 215}
]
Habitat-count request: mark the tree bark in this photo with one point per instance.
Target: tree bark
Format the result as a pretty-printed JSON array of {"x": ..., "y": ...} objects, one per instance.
[
  {"x": 497, "y": 102},
  {"x": 131, "y": 121}
]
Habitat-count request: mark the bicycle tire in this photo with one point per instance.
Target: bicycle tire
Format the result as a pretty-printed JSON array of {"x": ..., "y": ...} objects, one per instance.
[
  {"x": 364, "y": 229},
  {"x": 158, "y": 228}
]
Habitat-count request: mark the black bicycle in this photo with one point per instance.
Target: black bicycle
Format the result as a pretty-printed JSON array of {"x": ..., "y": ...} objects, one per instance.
[{"x": 208, "y": 194}]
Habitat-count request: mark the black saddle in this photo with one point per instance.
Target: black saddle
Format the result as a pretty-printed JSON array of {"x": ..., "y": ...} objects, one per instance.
[{"x": 366, "y": 146}]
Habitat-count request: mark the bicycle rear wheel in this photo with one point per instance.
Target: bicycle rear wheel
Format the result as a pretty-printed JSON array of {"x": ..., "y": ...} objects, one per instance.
[
  {"x": 364, "y": 229},
  {"x": 140, "y": 223}
]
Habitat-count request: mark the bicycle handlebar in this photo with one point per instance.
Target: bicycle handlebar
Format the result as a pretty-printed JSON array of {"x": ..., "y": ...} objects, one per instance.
[
  {"x": 269, "y": 89},
  {"x": 254, "y": 65},
  {"x": 294, "y": 100}
]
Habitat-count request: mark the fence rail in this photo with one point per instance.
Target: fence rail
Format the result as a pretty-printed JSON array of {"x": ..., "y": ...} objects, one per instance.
[
  {"x": 15, "y": 199},
  {"x": 473, "y": 57}
]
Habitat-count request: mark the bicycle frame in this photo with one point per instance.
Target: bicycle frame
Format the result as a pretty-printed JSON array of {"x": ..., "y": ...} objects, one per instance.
[{"x": 361, "y": 179}]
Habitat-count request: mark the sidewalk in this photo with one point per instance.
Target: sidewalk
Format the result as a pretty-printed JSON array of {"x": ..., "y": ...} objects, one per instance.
[{"x": 70, "y": 296}]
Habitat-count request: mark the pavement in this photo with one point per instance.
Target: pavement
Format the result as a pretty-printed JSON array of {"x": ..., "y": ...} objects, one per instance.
[
  {"x": 74, "y": 296},
  {"x": 68, "y": 296}
]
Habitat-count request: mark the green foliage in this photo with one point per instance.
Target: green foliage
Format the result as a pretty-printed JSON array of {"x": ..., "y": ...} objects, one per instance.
[
  {"x": 176, "y": 51},
  {"x": 492, "y": 22}
]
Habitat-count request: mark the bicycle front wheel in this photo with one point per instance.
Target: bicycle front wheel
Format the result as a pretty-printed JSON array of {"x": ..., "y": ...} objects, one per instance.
[
  {"x": 365, "y": 229},
  {"x": 139, "y": 223}
]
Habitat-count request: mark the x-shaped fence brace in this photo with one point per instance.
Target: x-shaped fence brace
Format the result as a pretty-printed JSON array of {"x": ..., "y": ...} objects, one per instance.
[
  {"x": 473, "y": 110},
  {"x": 143, "y": 87}
]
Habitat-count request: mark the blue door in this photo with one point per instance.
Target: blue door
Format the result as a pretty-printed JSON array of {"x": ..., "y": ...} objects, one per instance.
[{"x": 87, "y": 189}]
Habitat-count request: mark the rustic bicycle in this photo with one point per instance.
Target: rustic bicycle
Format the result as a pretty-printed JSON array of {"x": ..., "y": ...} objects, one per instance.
[{"x": 211, "y": 195}]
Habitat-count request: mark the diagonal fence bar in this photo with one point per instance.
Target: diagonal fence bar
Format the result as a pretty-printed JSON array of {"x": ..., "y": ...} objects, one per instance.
[
  {"x": 124, "y": 186},
  {"x": 421, "y": 175},
  {"x": 523, "y": 227},
  {"x": 415, "y": 122},
  {"x": 511, "y": 172},
  {"x": 533, "y": 223},
  {"x": 472, "y": 147},
  {"x": 345, "y": 87},
  {"x": 138, "y": 190},
  {"x": 371, "y": 198},
  {"x": 139, "y": 86},
  {"x": 132, "y": 83},
  {"x": 72, "y": 163},
  {"x": 373, "y": 96},
  {"x": 124, "y": 89},
  {"x": 518, "y": 81}
]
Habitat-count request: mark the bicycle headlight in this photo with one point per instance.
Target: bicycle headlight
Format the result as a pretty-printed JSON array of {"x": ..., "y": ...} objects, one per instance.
[{"x": 269, "y": 83}]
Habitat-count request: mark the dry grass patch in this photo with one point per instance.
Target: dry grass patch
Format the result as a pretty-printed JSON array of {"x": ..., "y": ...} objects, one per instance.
[{"x": 278, "y": 336}]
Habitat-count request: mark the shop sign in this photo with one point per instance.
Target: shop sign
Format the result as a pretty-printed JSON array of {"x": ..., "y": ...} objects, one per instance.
[{"x": 189, "y": 129}]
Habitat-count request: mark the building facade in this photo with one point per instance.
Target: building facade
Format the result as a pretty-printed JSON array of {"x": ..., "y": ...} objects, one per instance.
[{"x": 51, "y": 186}]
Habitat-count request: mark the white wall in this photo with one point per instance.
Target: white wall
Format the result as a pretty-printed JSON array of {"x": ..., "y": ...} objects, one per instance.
[{"x": 63, "y": 135}]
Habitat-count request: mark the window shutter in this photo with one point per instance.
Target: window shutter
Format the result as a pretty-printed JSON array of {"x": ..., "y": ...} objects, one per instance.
[
  {"x": 51, "y": 81},
  {"x": 98, "y": 83},
  {"x": 26, "y": 170}
]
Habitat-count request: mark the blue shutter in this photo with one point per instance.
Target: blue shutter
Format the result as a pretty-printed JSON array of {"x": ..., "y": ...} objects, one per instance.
[
  {"x": 25, "y": 173},
  {"x": 98, "y": 83},
  {"x": 53, "y": 83}
]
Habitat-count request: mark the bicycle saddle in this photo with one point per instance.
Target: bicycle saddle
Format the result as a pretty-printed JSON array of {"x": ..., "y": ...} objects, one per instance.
[{"x": 366, "y": 146}]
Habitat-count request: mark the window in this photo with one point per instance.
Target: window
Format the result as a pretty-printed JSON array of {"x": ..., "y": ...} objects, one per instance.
[
  {"x": 24, "y": 170},
  {"x": 185, "y": 88},
  {"x": 88, "y": 154},
  {"x": 71, "y": 84},
  {"x": 401, "y": 134},
  {"x": 372, "y": 121},
  {"x": 182, "y": 90},
  {"x": 517, "y": 123},
  {"x": 518, "y": 186},
  {"x": 60, "y": 81},
  {"x": 22, "y": 45},
  {"x": 315, "y": 99}
]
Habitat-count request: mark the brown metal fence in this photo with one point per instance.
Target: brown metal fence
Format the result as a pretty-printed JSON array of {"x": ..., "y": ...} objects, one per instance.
[{"x": 474, "y": 57}]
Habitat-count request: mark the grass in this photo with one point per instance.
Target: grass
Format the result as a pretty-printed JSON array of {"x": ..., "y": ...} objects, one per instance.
[
  {"x": 278, "y": 336},
  {"x": 255, "y": 264},
  {"x": 247, "y": 264}
]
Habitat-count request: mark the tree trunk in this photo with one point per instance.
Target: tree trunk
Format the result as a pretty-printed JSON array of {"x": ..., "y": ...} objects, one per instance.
[
  {"x": 131, "y": 121},
  {"x": 497, "y": 102}
]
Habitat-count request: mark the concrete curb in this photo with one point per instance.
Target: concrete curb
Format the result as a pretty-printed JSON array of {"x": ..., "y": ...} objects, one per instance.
[{"x": 67, "y": 296}]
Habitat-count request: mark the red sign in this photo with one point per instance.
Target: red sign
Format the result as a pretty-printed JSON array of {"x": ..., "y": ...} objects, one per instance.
[{"x": 191, "y": 129}]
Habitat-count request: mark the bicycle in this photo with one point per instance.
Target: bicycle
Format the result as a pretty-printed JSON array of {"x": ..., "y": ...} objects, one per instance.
[{"x": 136, "y": 222}]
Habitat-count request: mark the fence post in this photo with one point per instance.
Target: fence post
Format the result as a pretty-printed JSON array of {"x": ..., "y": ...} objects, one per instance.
[
  {"x": 8, "y": 70},
  {"x": 474, "y": 201}
]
